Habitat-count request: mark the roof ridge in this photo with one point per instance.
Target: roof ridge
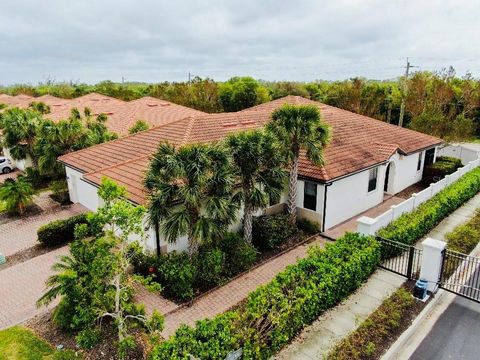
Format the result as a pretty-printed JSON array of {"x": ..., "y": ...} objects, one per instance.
[{"x": 188, "y": 131}]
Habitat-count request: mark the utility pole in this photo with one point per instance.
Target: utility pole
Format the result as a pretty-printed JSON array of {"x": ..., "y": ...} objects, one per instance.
[
  {"x": 189, "y": 77},
  {"x": 405, "y": 89}
]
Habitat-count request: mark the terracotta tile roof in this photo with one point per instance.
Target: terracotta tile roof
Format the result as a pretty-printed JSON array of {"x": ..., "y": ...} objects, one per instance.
[
  {"x": 358, "y": 142},
  {"x": 121, "y": 115}
]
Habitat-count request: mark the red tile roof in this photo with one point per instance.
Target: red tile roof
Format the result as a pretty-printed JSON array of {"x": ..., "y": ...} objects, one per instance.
[
  {"x": 358, "y": 142},
  {"x": 121, "y": 115}
]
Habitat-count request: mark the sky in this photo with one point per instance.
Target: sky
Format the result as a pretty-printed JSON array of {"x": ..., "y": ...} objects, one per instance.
[{"x": 155, "y": 40}]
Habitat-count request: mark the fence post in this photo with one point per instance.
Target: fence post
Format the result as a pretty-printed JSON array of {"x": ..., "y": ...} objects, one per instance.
[
  {"x": 432, "y": 259},
  {"x": 411, "y": 253}
]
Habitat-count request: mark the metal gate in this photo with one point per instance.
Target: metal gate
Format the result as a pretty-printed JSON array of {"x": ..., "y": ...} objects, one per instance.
[
  {"x": 400, "y": 258},
  {"x": 460, "y": 274}
]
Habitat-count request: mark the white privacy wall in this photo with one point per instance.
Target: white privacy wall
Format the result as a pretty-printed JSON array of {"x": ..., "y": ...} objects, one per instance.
[{"x": 460, "y": 152}]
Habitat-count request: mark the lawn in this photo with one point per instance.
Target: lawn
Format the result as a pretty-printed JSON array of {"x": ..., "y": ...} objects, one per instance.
[
  {"x": 3, "y": 207},
  {"x": 18, "y": 343}
]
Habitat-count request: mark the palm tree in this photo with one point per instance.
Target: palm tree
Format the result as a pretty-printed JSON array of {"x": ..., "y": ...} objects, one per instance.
[
  {"x": 19, "y": 127},
  {"x": 258, "y": 165},
  {"x": 189, "y": 189},
  {"x": 17, "y": 194},
  {"x": 299, "y": 127}
]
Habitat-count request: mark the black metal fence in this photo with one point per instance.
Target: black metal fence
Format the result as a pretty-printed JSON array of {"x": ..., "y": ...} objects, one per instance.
[
  {"x": 460, "y": 274},
  {"x": 400, "y": 258}
]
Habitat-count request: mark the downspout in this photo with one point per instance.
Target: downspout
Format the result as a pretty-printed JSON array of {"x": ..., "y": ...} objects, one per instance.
[
  {"x": 157, "y": 238},
  {"x": 325, "y": 205}
]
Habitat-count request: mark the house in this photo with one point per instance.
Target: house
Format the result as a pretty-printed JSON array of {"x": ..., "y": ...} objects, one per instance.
[
  {"x": 121, "y": 115},
  {"x": 366, "y": 159}
]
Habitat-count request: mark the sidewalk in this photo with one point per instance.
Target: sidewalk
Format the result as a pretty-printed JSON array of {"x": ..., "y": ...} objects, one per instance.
[
  {"x": 225, "y": 297},
  {"x": 316, "y": 340}
]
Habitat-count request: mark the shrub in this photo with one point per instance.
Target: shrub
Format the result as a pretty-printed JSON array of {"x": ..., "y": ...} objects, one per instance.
[
  {"x": 308, "y": 226},
  {"x": 273, "y": 314},
  {"x": 466, "y": 236},
  {"x": 269, "y": 231},
  {"x": 88, "y": 338},
  {"x": 60, "y": 191},
  {"x": 411, "y": 226},
  {"x": 382, "y": 324},
  {"x": 239, "y": 255},
  {"x": 210, "y": 263},
  {"x": 60, "y": 232},
  {"x": 444, "y": 165}
]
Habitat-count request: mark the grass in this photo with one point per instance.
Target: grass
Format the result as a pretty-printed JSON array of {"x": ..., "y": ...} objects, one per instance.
[
  {"x": 3, "y": 207},
  {"x": 369, "y": 339},
  {"x": 19, "y": 343}
]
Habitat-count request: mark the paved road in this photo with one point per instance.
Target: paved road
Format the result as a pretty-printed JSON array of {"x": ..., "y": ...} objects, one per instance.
[{"x": 455, "y": 335}]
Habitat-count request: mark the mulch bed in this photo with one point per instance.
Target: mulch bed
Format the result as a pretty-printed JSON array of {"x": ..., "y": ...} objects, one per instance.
[
  {"x": 43, "y": 326},
  {"x": 31, "y": 210}
]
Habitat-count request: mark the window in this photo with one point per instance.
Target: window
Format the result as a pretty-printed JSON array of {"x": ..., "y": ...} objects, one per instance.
[
  {"x": 372, "y": 179},
  {"x": 310, "y": 196},
  {"x": 419, "y": 162}
]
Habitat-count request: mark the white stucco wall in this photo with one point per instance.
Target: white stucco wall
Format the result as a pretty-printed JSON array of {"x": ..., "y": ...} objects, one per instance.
[
  {"x": 405, "y": 171},
  {"x": 19, "y": 164},
  {"x": 81, "y": 191}
]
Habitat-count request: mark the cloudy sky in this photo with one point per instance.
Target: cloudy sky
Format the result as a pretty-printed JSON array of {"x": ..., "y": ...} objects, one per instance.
[{"x": 156, "y": 40}]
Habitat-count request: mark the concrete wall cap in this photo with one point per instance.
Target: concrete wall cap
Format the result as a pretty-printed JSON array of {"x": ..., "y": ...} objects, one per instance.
[{"x": 434, "y": 243}]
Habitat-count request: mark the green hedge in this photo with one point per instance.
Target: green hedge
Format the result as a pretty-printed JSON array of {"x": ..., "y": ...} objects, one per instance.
[
  {"x": 273, "y": 314},
  {"x": 444, "y": 165},
  {"x": 411, "y": 226},
  {"x": 60, "y": 232},
  {"x": 270, "y": 231}
]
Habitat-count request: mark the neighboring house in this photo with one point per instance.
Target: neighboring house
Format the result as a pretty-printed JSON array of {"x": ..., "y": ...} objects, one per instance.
[
  {"x": 121, "y": 115},
  {"x": 365, "y": 159}
]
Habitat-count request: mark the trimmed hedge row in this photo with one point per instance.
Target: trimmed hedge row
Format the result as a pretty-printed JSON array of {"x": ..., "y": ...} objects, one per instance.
[
  {"x": 273, "y": 314},
  {"x": 60, "y": 232},
  {"x": 411, "y": 226},
  {"x": 444, "y": 165}
]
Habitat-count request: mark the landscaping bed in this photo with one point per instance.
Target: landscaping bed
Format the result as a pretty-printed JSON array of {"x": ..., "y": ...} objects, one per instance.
[
  {"x": 382, "y": 328},
  {"x": 45, "y": 328},
  {"x": 184, "y": 278},
  {"x": 466, "y": 236}
]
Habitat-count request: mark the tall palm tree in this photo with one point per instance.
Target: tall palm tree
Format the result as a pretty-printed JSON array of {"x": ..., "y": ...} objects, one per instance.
[
  {"x": 189, "y": 189},
  {"x": 258, "y": 164},
  {"x": 299, "y": 127},
  {"x": 17, "y": 194}
]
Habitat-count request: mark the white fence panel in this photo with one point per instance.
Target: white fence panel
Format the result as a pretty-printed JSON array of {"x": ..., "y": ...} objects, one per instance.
[
  {"x": 422, "y": 196},
  {"x": 403, "y": 207}
]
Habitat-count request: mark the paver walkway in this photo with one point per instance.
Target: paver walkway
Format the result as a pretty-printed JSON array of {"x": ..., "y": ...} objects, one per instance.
[
  {"x": 225, "y": 297},
  {"x": 21, "y": 285},
  {"x": 20, "y": 234},
  {"x": 316, "y": 340}
]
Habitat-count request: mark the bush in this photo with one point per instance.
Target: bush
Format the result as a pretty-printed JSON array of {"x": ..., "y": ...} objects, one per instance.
[
  {"x": 210, "y": 263},
  {"x": 411, "y": 226},
  {"x": 381, "y": 325},
  {"x": 466, "y": 236},
  {"x": 444, "y": 165},
  {"x": 60, "y": 232},
  {"x": 239, "y": 255},
  {"x": 60, "y": 191},
  {"x": 88, "y": 338},
  {"x": 270, "y": 231},
  {"x": 308, "y": 226},
  {"x": 273, "y": 314}
]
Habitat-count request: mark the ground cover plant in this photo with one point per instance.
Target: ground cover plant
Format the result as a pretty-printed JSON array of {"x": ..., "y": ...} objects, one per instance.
[
  {"x": 410, "y": 227},
  {"x": 466, "y": 236},
  {"x": 274, "y": 313},
  {"x": 18, "y": 343}
]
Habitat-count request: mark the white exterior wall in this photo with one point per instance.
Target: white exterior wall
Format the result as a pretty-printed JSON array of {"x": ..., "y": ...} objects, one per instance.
[
  {"x": 405, "y": 171},
  {"x": 81, "y": 191},
  {"x": 349, "y": 196}
]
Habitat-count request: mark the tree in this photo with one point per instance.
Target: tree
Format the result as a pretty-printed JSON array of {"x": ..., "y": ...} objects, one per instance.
[
  {"x": 39, "y": 107},
  {"x": 189, "y": 191},
  {"x": 17, "y": 194},
  {"x": 240, "y": 93},
  {"x": 299, "y": 127},
  {"x": 94, "y": 280},
  {"x": 258, "y": 164},
  {"x": 20, "y": 128},
  {"x": 139, "y": 125}
]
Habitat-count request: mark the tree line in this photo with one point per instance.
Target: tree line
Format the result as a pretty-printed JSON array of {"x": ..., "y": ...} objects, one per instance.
[{"x": 438, "y": 103}]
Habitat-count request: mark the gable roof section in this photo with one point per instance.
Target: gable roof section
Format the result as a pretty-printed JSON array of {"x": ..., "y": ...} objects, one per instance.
[{"x": 358, "y": 142}]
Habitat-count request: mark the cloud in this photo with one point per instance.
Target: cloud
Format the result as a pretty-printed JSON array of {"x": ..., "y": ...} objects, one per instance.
[{"x": 152, "y": 40}]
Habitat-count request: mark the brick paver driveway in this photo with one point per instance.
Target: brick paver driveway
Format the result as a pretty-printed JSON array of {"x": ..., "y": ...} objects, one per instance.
[
  {"x": 20, "y": 234},
  {"x": 21, "y": 285}
]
